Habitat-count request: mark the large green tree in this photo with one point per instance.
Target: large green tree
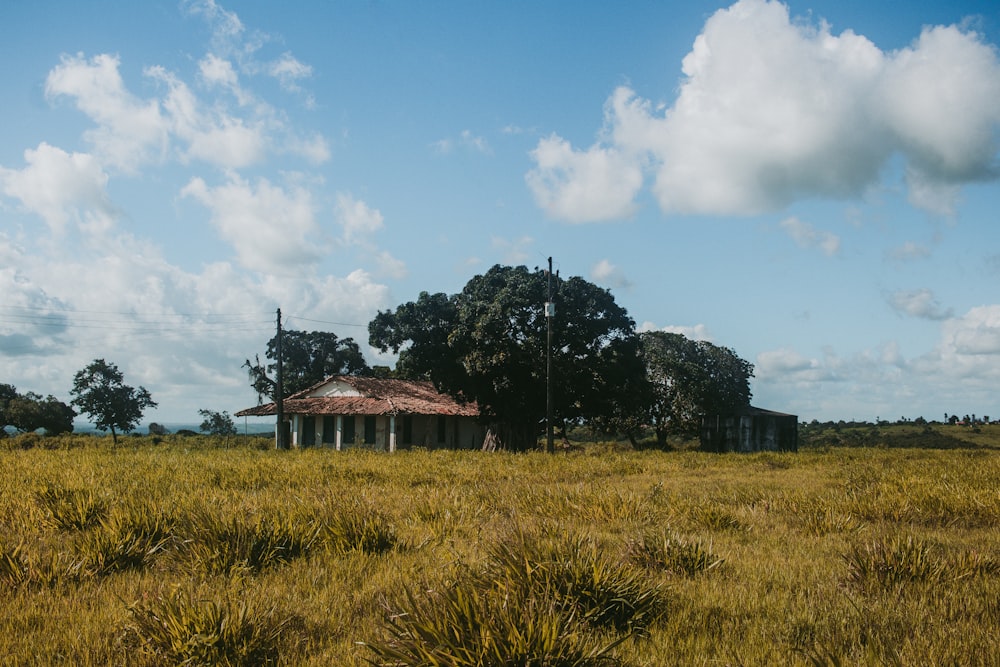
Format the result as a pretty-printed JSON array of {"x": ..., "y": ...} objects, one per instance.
[
  {"x": 488, "y": 344},
  {"x": 30, "y": 412},
  {"x": 99, "y": 390},
  {"x": 690, "y": 378},
  {"x": 307, "y": 358}
]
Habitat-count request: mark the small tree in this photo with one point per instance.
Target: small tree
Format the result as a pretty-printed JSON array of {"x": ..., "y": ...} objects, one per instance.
[
  {"x": 100, "y": 392},
  {"x": 217, "y": 423}
]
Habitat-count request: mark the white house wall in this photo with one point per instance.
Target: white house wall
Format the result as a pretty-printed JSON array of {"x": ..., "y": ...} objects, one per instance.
[{"x": 459, "y": 432}]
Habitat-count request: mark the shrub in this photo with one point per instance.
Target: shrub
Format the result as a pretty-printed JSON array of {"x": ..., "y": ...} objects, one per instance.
[
  {"x": 464, "y": 626},
  {"x": 125, "y": 540},
  {"x": 360, "y": 529},
  {"x": 221, "y": 545},
  {"x": 70, "y": 509},
  {"x": 672, "y": 553},
  {"x": 184, "y": 631},
  {"x": 583, "y": 581},
  {"x": 893, "y": 562}
]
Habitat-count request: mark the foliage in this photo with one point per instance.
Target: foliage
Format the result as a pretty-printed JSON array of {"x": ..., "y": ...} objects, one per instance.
[
  {"x": 691, "y": 378},
  {"x": 462, "y": 626},
  {"x": 217, "y": 423},
  {"x": 361, "y": 529},
  {"x": 29, "y": 412},
  {"x": 488, "y": 344},
  {"x": 158, "y": 429},
  {"x": 672, "y": 553},
  {"x": 245, "y": 544},
  {"x": 307, "y": 358},
  {"x": 183, "y": 630},
  {"x": 70, "y": 509},
  {"x": 99, "y": 391}
]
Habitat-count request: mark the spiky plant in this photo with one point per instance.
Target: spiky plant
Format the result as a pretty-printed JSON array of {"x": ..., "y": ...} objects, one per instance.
[{"x": 183, "y": 630}]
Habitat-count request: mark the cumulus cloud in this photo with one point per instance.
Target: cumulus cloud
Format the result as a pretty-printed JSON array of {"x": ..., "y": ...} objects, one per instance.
[
  {"x": 807, "y": 236},
  {"x": 129, "y": 131},
  {"x": 356, "y": 218},
  {"x": 975, "y": 334},
  {"x": 272, "y": 229},
  {"x": 60, "y": 186},
  {"x": 606, "y": 273},
  {"x": 771, "y": 110},
  {"x": 918, "y": 303},
  {"x": 583, "y": 186}
]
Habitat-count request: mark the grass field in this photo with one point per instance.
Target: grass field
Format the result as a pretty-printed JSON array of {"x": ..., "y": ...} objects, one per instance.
[{"x": 870, "y": 546}]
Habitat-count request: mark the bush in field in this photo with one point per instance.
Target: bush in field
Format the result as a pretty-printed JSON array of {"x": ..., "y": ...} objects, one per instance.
[
  {"x": 124, "y": 540},
  {"x": 70, "y": 509},
  {"x": 182, "y": 630},
  {"x": 464, "y": 626},
  {"x": 672, "y": 553},
  {"x": 225, "y": 545},
  {"x": 584, "y": 581},
  {"x": 360, "y": 529},
  {"x": 894, "y": 561}
]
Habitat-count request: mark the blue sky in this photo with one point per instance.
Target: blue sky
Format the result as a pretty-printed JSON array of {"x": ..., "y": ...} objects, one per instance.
[{"x": 813, "y": 184}]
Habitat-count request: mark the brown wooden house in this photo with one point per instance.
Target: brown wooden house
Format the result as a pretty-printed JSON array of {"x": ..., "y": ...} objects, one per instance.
[{"x": 385, "y": 414}]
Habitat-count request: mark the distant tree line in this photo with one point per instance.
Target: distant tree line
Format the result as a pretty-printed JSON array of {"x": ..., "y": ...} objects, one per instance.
[{"x": 489, "y": 343}]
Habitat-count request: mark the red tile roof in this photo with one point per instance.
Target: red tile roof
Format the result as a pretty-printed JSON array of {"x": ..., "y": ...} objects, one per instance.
[{"x": 379, "y": 397}]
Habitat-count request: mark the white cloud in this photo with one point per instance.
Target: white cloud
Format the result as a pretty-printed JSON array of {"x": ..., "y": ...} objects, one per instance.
[
  {"x": 59, "y": 186},
  {"x": 288, "y": 70},
  {"x": 356, "y": 218},
  {"x": 975, "y": 334},
  {"x": 272, "y": 229},
  {"x": 807, "y": 236},
  {"x": 771, "y": 110},
  {"x": 583, "y": 186},
  {"x": 476, "y": 143},
  {"x": 606, "y": 273},
  {"x": 129, "y": 131},
  {"x": 918, "y": 303}
]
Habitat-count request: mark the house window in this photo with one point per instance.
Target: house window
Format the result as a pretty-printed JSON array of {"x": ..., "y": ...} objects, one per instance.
[
  {"x": 370, "y": 429},
  {"x": 348, "y": 434},
  {"x": 408, "y": 429},
  {"x": 442, "y": 429},
  {"x": 308, "y": 431},
  {"x": 329, "y": 429}
]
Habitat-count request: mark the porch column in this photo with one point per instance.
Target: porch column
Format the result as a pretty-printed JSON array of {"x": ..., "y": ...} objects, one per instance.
[
  {"x": 340, "y": 430},
  {"x": 392, "y": 433},
  {"x": 295, "y": 430}
]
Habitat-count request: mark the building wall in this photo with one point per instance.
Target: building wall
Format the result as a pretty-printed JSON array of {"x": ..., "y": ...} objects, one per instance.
[
  {"x": 430, "y": 431},
  {"x": 753, "y": 432}
]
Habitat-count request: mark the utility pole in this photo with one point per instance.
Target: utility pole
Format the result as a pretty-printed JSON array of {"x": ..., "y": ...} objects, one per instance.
[
  {"x": 550, "y": 312},
  {"x": 279, "y": 397}
]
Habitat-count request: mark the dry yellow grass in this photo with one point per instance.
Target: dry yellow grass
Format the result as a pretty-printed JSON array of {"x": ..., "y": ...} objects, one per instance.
[{"x": 832, "y": 555}]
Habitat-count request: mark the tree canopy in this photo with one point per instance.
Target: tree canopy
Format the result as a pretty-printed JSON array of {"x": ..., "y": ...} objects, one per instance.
[
  {"x": 30, "y": 412},
  {"x": 99, "y": 390},
  {"x": 688, "y": 379},
  {"x": 307, "y": 358},
  {"x": 217, "y": 423},
  {"x": 488, "y": 344}
]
